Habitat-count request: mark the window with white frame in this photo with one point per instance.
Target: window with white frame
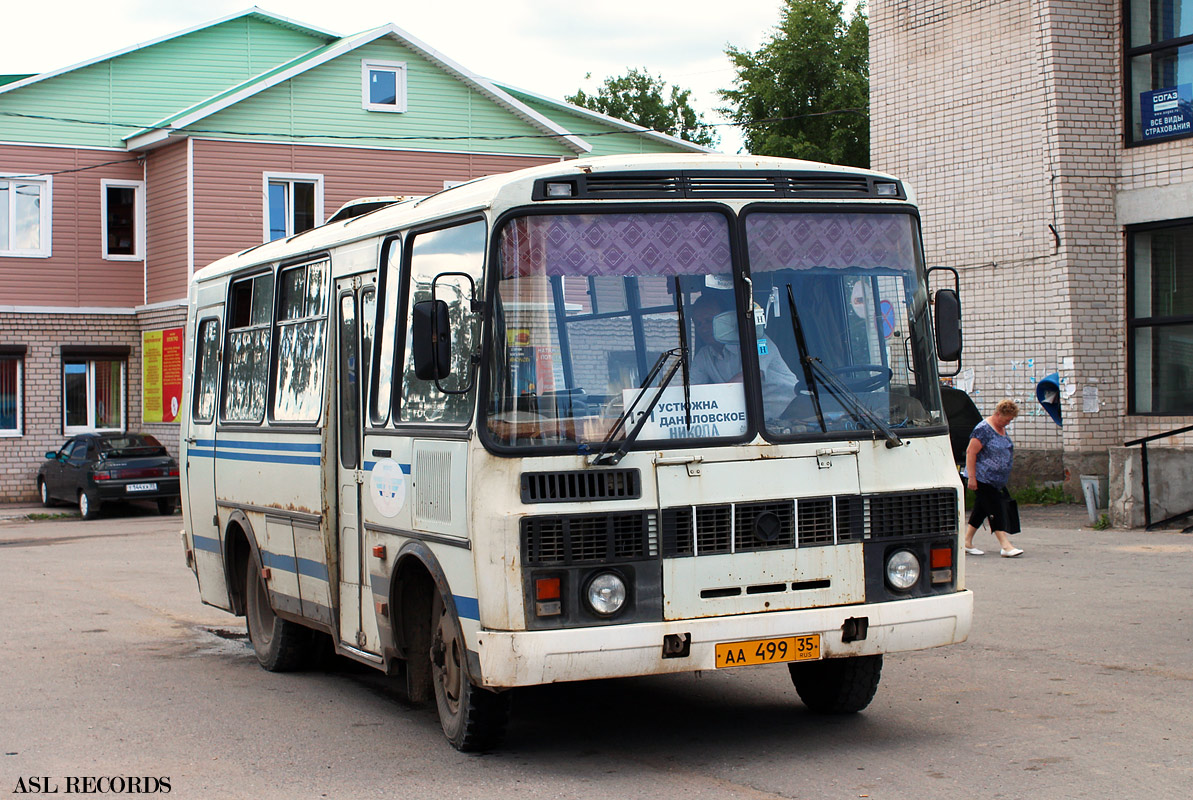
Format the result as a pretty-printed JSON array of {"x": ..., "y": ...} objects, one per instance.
[
  {"x": 293, "y": 204},
  {"x": 383, "y": 85},
  {"x": 123, "y": 218},
  {"x": 11, "y": 392},
  {"x": 93, "y": 396},
  {"x": 25, "y": 216}
]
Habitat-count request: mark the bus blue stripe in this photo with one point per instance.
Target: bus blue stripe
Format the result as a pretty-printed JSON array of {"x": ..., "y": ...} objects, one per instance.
[
  {"x": 268, "y": 458},
  {"x": 467, "y": 607},
  {"x": 312, "y": 569},
  {"x": 206, "y": 543},
  {"x": 300, "y": 447},
  {"x": 277, "y": 561}
]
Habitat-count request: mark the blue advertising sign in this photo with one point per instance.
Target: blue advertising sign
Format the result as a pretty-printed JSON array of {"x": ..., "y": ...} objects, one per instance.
[{"x": 1167, "y": 112}]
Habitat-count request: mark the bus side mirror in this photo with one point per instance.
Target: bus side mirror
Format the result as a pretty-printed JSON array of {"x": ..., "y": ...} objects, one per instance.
[
  {"x": 948, "y": 324},
  {"x": 431, "y": 334}
]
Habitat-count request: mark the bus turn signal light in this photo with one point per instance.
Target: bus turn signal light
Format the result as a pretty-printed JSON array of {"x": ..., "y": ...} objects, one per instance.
[
  {"x": 378, "y": 551},
  {"x": 942, "y": 565},
  {"x": 547, "y": 597}
]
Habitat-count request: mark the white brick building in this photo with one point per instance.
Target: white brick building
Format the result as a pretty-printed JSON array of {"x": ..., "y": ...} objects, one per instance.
[{"x": 1057, "y": 177}]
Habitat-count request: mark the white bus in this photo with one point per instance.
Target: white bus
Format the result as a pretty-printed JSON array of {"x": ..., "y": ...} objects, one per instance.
[{"x": 601, "y": 418}]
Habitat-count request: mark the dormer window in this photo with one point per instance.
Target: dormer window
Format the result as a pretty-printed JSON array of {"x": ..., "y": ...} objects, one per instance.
[{"x": 383, "y": 85}]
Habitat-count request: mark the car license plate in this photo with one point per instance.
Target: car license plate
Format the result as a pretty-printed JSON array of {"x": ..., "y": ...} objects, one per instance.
[
  {"x": 141, "y": 487},
  {"x": 769, "y": 651}
]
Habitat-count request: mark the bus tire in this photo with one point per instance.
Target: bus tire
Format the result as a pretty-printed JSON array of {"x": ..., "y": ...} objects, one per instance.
[
  {"x": 837, "y": 685},
  {"x": 280, "y": 645},
  {"x": 89, "y": 504},
  {"x": 473, "y": 718}
]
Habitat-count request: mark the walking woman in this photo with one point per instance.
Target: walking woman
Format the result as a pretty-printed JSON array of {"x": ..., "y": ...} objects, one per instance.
[{"x": 988, "y": 461}]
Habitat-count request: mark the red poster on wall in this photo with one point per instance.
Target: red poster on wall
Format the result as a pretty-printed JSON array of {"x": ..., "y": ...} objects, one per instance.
[{"x": 161, "y": 374}]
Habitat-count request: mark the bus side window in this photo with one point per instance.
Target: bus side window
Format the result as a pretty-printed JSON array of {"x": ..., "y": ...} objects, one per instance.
[
  {"x": 391, "y": 284},
  {"x": 302, "y": 338},
  {"x": 250, "y": 309},
  {"x": 456, "y": 249},
  {"x": 206, "y": 372},
  {"x": 368, "y": 322}
]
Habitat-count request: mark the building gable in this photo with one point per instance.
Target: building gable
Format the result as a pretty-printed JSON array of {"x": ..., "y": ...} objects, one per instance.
[
  {"x": 97, "y": 104},
  {"x": 324, "y": 105}
]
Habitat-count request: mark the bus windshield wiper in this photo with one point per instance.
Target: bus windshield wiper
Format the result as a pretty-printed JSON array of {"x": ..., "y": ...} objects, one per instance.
[
  {"x": 814, "y": 368},
  {"x": 683, "y": 354},
  {"x": 604, "y": 456},
  {"x": 804, "y": 359}
]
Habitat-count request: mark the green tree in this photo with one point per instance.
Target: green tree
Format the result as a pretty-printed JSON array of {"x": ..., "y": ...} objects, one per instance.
[
  {"x": 645, "y": 100},
  {"x": 805, "y": 93}
]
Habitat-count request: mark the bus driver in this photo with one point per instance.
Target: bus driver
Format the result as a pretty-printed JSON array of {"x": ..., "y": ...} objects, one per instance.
[{"x": 719, "y": 358}]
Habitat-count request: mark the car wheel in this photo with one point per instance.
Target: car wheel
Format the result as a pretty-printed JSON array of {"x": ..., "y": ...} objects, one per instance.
[
  {"x": 89, "y": 504},
  {"x": 166, "y": 506},
  {"x": 473, "y": 718},
  {"x": 280, "y": 645},
  {"x": 44, "y": 491}
]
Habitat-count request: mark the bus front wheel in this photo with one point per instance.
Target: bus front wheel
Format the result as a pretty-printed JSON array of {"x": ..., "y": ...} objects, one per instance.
[
  {"x": 837, "y": 685},
  {"x": 280, "y": 645},
  {"x": 473, "y": 718}
]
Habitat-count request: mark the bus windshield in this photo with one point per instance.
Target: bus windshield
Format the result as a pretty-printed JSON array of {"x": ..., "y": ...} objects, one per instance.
[
  {"x": 851, "y": 287},
  {"x": 587, "y": 303}
]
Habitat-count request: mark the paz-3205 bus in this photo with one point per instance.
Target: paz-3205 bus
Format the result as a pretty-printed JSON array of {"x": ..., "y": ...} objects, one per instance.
[{"x": 607, "y": 417}]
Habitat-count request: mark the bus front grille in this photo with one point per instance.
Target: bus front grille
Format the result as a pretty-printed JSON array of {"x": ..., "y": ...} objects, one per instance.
[
  {"x": 570, "y": 486},
  {"x": 565, "y": 539},
  {"x": 806, "y": 522}
]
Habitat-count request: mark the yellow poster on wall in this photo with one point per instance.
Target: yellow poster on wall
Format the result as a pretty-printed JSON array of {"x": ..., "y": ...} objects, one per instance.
[{"x": 161, "y": 374}]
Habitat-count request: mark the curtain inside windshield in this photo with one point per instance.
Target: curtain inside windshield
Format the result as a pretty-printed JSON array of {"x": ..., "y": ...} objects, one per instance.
[
  {"x": 848, "y": 287},
  {"x": 586, "y": 307}
]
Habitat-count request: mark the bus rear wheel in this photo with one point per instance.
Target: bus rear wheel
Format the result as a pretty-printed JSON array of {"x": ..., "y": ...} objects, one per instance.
[
  {"x": 473, "y": 718},
  {"x": 280, "y": 645},
  {"x": 837, "y": 685}
]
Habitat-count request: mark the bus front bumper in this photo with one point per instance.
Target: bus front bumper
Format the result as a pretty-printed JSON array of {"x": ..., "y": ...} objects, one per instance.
[{"x": 528, "y": 658}]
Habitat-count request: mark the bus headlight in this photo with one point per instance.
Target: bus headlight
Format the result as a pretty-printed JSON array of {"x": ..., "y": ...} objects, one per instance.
[
  {"x": 606, "y": 594},
  {"x": 902, "y": 570}
]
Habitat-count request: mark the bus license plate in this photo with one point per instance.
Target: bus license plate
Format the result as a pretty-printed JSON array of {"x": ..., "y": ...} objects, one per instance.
[
  {"x": 769, "y": 651},
  {"x": 141, "y": 487}
]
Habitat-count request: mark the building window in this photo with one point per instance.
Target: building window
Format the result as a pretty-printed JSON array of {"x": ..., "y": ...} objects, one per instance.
[
  {"x": 293, "y": 204},
  {"x": 11, "y": 389},
  {"x": 123, "y": 214},
  {"x": 25, "y": 217},
  {"x": 383, "y": 85},
  {"x": 1160, "y": 317},
  {"x": 93, "y": 395},
  {"x": 1159, "y": 67}
]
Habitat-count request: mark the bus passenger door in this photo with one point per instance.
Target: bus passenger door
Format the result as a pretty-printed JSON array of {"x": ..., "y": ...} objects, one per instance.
[
  {"x": 354, "y": 319},
  {"x": 198, "y": 501}
]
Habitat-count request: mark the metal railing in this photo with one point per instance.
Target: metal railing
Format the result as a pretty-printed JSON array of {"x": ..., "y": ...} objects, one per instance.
[{"x": 1147, "y": 492}]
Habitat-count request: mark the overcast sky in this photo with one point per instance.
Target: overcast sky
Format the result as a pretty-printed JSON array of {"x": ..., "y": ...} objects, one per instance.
[{"x": 545, "y": 46}]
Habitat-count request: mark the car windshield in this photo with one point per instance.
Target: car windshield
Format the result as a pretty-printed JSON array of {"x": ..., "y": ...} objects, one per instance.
[
  {"x": 585, "y": 307},
  {"x": 851, "y": 285},
  {"x": 130, "y": 444}
]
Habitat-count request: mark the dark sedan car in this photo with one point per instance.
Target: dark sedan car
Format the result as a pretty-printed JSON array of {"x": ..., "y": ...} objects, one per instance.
[{"x": 95, "y": 468}]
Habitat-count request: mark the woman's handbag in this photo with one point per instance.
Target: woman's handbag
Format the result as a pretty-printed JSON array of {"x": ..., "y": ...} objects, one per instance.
[{"x": 1010, "y": 511}]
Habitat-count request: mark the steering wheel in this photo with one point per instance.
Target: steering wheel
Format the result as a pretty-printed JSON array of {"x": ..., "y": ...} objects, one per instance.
[{"x": 874, "y": 376}]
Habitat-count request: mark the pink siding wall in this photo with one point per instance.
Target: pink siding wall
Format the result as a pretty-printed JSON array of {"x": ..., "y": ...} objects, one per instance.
[
  {"x": 165, "y": 207},
  {"x": 76, "y": 273},
  {"x": 229, "y": 203}
]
